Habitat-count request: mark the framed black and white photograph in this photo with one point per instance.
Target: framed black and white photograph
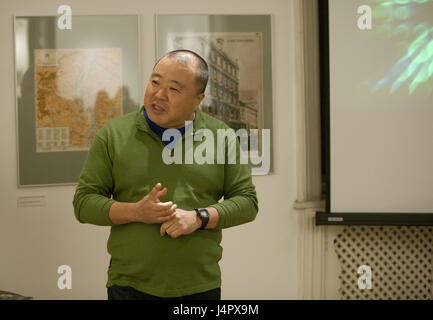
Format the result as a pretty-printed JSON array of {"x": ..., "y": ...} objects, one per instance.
[
  {"x": 237, "y": 49},
  {"x": 69, "y": 83}
]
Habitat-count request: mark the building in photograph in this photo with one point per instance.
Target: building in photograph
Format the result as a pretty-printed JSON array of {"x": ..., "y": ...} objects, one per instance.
[{"x": 222, "y": 99}]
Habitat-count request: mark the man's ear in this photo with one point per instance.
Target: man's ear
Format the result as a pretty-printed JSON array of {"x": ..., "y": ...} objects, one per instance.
[{"x": 200, "y": 98}]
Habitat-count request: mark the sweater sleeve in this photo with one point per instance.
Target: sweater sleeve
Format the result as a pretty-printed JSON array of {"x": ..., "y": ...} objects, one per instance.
[
  {"x": 92, "y": 199},
  {"x": 240, "y": 203}
]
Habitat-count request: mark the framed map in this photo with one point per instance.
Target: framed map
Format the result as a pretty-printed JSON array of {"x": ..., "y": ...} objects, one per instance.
[
  {"x": 238, "y": 51},
  {"x": 69, "y": 84},
  {"x": 72, "y": 84}
]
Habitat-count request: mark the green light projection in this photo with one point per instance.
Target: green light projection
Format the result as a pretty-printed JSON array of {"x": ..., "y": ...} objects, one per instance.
[{"x": 410, "y": 22}]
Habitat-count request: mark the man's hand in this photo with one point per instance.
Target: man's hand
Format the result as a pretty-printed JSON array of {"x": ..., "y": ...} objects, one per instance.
[
  {"x": 151, "y": 210},
  {"x": 183, "y": 223}
]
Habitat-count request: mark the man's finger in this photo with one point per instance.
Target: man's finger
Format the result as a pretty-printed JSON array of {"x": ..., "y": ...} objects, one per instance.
[
  {"x": 172, "y": 227},
  {"x": 160, "y": 194},
  {"x": 175, "y": 234},
  {"x": 155, "y": 190},
  {"x": 164, "y": 219},
  {"x": 164, "y": 207},
  {"x": 164, "y": 228}
]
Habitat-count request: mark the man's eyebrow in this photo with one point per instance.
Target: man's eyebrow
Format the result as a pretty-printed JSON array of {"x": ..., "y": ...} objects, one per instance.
[{"x": 180, "y": 84}]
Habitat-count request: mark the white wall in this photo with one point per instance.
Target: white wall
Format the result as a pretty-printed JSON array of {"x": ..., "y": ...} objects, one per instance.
[{"x": 259, "y": 259}]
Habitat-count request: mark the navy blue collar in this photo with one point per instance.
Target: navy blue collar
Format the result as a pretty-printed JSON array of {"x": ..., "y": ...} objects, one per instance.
[{"x": 160, "y": 130}]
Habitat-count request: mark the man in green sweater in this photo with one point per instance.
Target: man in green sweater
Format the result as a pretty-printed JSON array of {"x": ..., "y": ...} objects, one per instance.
[{"x": 164, "y": 242}]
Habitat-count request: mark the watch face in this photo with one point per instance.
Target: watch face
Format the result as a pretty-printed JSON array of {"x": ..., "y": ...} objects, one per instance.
[{"x": 204, "y": 213}]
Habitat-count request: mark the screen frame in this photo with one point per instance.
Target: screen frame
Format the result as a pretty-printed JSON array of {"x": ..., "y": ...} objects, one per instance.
[{"x": 347, "y": 218}]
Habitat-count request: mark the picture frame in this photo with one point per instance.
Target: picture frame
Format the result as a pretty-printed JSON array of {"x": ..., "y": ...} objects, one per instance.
[
  {"x": 238, "y": 50},
  {"x": 69, "y": 83}
]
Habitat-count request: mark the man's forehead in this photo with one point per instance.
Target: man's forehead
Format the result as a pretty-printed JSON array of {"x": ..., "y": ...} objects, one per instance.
[
  {"x": 185, "y": 58},
  {"x": 177, "y": 63},
  {"x": 168, "y": 68}
]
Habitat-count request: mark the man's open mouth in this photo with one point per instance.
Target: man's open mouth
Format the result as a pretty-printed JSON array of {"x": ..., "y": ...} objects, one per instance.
[{"x": 158, "y": 107}]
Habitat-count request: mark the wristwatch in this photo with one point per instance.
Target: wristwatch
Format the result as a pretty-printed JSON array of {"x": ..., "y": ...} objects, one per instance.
[{"x": 203, "y": 214}]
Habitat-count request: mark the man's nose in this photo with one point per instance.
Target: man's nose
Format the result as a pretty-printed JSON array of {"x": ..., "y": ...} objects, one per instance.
[{"x": 161, "y": 93}]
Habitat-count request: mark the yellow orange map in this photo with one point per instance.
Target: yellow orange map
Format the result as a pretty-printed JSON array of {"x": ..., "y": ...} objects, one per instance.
[{"x": 76, "y": 91}]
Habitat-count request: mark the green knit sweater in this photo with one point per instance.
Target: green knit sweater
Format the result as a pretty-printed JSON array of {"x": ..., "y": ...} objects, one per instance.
[{"x": 123, "y": 164}]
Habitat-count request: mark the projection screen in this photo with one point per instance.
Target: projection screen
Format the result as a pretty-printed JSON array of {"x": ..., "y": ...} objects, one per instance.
[{"x": 381, "y": 106}]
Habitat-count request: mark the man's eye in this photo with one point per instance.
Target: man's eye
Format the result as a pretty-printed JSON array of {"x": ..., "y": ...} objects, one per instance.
[
  {"x": 154, "y": 82},
  {"x": 174, "y": 89}
]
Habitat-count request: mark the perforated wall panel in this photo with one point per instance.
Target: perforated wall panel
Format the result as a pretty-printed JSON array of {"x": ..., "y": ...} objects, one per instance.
[{"x": 385, "y": 262}]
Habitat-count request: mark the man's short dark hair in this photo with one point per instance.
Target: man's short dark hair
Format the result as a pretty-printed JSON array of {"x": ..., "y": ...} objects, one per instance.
[{"x": 186, "y": 57}]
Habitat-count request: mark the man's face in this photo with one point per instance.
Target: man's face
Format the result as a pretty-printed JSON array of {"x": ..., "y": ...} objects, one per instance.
[{"x": 171, "y": 94}]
